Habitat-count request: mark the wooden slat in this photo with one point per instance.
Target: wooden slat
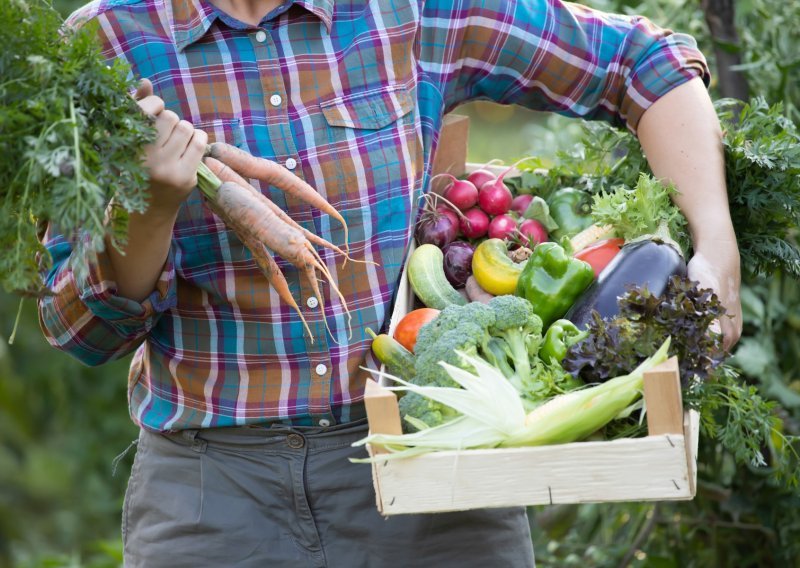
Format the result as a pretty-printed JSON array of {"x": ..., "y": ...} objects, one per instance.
[
  {"x": 651, "y": 468},
  {"x": 691, "y": 428},
  {"x": 662, "y": 395},
  {"x": 383, "y": 413}
]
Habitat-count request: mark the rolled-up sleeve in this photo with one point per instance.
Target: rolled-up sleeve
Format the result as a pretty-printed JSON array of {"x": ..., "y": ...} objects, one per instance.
[
  {"x": 554, "y": 56},
  {"x": 84, "y": 315}
]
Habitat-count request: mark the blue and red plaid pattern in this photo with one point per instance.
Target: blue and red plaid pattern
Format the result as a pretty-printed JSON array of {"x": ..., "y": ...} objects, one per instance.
[{"x": 353, "y": 92}]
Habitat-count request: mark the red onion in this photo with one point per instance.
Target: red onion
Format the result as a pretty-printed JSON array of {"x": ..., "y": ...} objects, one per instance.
[
  {"x": 458, "y": 262},
  {"x": 435, "y": 228},
  {"x": 447, "y": 211}
]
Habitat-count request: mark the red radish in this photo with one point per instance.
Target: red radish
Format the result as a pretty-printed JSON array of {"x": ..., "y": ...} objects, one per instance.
[
  {"x": 447, "y": 211},
  {"x": 520, "y": 204},
  {"x": 475, "y": 223},
  {"x": 494, "y": 197},
  {"x": 533, "y": 231},
  {"x": 502, "y": 227},
  {"x": 436, "y": 229},
  {"x": 479, "y": 177},
  {"x": 461, "y": 193}
]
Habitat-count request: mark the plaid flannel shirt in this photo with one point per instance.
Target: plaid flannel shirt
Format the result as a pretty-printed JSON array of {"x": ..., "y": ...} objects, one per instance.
[{"x": 350, "y": 95}]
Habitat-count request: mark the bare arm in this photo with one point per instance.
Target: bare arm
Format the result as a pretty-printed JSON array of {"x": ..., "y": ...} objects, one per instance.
[
  {"x": 681, "y": 136},
  {"x": 172, "y": 161}
]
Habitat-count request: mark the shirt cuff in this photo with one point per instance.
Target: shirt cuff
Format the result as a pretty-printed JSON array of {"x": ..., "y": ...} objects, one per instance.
[
  {"x": 98, "y": 291},
  {"x": 671, "y": 61}
]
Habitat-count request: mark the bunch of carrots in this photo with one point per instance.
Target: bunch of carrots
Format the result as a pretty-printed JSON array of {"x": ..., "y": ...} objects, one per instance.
[{"x": 222, "y": 180}]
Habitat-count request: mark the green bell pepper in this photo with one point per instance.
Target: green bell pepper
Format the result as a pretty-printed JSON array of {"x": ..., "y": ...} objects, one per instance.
[
  {"x": 552, "y": 280},
  {"x": 571, "y": 209},
  {"x": 560, "y": 336}
]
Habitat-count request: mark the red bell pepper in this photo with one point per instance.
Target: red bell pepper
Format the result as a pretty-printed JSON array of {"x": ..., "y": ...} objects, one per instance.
[{"x": 600, "y": 254}]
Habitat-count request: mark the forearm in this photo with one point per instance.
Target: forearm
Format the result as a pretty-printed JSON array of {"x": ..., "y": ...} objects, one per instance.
[
  {"x": 681, "y": 137},
  {"x": 139, "y": 265}
]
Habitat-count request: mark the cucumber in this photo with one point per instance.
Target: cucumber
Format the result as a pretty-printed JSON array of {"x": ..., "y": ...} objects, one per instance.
[
  {"x": 427, "y": 279},
  {"x": 399, "y": 361}
]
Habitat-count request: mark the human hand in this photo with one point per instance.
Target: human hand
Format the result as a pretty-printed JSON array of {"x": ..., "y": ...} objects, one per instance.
[
  {"x": 716, "y": 266},
  {"x": 172, "y": 159}
]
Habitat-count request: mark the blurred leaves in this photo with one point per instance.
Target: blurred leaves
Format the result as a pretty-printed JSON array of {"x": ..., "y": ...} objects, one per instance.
[{"x": 62, "y": 425}]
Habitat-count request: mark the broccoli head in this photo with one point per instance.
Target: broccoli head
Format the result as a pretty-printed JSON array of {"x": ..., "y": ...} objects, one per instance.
[
  {"x": 465, "y": 339},
  {"x": 521, "y": 331},
  {"x": 453, "y": 317},
  {"x": 438, "y": 347},
  {"x": 425, "y": 410}
]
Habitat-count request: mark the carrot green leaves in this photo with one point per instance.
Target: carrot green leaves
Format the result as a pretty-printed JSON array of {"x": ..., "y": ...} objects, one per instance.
[{"x": 71, "y": 138}]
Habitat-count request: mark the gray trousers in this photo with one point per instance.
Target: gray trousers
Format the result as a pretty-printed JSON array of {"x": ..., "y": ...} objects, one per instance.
[{"x": 282, "y": 496}]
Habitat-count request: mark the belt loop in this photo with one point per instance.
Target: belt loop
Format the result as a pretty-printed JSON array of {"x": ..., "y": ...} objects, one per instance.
[{"x": 198, "y": 444}]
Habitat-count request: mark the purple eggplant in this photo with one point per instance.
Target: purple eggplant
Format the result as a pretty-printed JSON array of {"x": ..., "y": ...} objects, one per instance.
[{"x": 647, "y": 262}]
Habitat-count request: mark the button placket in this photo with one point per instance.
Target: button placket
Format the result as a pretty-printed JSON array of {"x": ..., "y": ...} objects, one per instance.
[{"x": 278, "y": 131}]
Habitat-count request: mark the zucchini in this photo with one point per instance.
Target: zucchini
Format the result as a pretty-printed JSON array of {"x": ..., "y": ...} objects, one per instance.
[
  {"x": 399, "y": 361},
  {"x": 427, "y": 279}
]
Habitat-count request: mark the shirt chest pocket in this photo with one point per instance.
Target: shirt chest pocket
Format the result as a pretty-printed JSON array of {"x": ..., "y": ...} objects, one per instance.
[
  {"x": 378, "y": 158},
  {"x": 373, "y": 142},
  {"x": 368, "y": 110}
]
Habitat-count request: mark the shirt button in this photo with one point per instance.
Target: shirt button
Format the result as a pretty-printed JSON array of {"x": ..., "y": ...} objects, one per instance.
[
  {"x": 312, "y": 302},
  {"x": 295, "y": 441},
  {"x": 261, "y": 36},
  {"x": 291, "y": 164},
  {"x": 275, "y": 100},
  {"x": 321, "y": 369},
  {"x": 324, "y": 422}
]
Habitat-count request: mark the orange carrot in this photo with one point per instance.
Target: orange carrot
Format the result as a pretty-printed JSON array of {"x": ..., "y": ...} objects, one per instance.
[
  {"x": 226, "y": 173},
  {"x": 255, "y": 222},
  {"x": 275, "y": 277},
  {"x": 262, "y": 258},
  {"x": 276, "y": 175}
]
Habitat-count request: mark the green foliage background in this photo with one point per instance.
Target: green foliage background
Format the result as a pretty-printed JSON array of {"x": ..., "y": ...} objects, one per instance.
[{"x": 62, "y": 423}]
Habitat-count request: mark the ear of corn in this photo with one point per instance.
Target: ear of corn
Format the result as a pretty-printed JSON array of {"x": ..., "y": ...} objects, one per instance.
[
  {"x": 577, "y": 414},
  {"x": 493, "y": 415},
  {"x": 590, "y": 235}
]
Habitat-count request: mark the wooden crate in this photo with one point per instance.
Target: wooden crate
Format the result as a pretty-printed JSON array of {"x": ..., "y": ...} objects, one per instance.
[{"x": 659, "y": 467}]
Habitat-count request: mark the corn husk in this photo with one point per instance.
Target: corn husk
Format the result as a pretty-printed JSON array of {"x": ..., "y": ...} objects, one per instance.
[{"x": 493, "y": 413}]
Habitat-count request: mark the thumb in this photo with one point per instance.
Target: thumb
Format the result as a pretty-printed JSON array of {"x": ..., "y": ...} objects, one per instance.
[{"x": 145, "y": 89}]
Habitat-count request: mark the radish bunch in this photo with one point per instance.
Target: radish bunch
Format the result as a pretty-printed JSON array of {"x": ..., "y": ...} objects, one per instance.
[{"x": 480, "y": 206}]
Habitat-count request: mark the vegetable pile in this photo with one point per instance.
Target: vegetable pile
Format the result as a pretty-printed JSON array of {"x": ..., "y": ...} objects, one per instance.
[
  {"x": 599, "y": 293},
  {"x": 74, "y": 139}
]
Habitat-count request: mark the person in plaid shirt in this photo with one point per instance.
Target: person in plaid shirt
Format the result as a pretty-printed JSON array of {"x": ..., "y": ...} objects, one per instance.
[{"x": 246, "y": 422}]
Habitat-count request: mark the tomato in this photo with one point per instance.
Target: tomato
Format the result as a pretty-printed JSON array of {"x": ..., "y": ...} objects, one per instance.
[
  {"x": 600, "y": 254},
  {"x": 408, "y": 327}
]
